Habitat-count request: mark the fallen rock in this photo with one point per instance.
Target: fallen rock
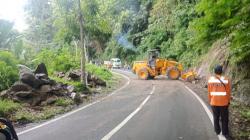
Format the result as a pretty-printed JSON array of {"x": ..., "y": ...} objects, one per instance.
[
  {"x": 51, "y": 100},
  {"x": 41, "y": 69},
  {"x": 19, "y": 86},
  {"x": 70, "y": 88},
  {"x": 4, "y": 94},
  {"x": 77, "y": 99},
  {"x": 45, "y": 89},
  {"x": 72, "y": 95},
  {"x": 23, "y": 94},
  {"x": 74, "y": 75},
  {"x": 30, "y": 79},
  {"x": 24, "y": 69}
]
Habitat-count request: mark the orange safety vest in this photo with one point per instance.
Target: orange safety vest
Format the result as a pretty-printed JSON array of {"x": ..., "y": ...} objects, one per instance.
[{"x": 219, "y": 94}]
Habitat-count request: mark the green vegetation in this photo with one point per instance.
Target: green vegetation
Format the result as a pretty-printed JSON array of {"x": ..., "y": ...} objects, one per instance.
[
  {"x": 184, "y": 30},
  {"x": 61, "y": 59},
  {"x": 64, "y": 102},
  {"x": 77, "y": 84},
  {"x": 26, "y": 115},
  {"x": 7, "y": 107},
  {"x": 100, "y": 72},
  {"x": 245, "y": 113},
  {"x": 8, "y": 70}
]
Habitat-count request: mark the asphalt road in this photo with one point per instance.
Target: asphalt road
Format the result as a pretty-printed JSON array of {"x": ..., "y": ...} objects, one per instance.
[{"x": 141, "y": 110}]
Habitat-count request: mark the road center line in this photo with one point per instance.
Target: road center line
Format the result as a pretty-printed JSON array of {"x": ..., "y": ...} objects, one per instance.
[
  {"x": 118, "y": 127},
  {"x": 205, "y": 108},
  {"x": 77, "y": 110}
]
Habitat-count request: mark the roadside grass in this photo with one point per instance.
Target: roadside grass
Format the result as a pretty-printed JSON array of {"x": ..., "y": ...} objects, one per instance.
[
  {"x": 27, "y": 115},
  {"x": 245, "y": 113},
  {"x": 99, "y": 71},
  {"x": 8, "y": 106},
  {"x": 77, "y": 84},
  {"x": 64, "y": 102},
  {"x": 240, "y": 120},
  {"x": 115, "y": 79},
  {"x": 244, "y": 134}
]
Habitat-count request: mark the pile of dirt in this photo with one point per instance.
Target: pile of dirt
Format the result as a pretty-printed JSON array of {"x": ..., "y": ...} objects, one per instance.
[{"x": 36, "y": 88}]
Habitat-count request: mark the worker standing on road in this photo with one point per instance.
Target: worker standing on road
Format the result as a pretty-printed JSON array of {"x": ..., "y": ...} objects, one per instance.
[{"x": 219, "y": 94}]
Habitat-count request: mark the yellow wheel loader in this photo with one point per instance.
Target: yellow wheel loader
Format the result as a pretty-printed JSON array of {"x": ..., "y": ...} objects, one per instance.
[{"x": 155, "y": 66}]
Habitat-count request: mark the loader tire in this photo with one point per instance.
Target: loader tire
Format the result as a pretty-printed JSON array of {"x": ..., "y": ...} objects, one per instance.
[
  {"x": 173, "y": 73},
  {"x": 143, "y": 74}
]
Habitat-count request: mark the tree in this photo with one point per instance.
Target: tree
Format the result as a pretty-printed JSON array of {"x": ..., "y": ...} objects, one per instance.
[
  {"x": 40, "y": 22},
  {"x": 82, "y": 44},
  {"x": 7, "y": 34}
]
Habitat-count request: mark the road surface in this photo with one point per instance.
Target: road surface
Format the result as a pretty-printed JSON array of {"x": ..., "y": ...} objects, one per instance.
[{"x": 140, "y": 110}]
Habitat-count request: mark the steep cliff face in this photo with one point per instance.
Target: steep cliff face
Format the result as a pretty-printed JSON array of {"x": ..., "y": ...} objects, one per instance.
[
  {"x": 241, "y": 82},
  {"x": 219, "y": 53}
]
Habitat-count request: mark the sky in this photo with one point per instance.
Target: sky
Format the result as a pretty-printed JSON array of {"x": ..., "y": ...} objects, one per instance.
[{"x": 13, "y": 10}]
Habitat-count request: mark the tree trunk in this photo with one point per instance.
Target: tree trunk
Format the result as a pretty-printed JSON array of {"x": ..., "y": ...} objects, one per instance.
[
  {"x": 76, "y": 46},
  {"x": 85, "y": 49},
  {"x": 83, "y": 75}
]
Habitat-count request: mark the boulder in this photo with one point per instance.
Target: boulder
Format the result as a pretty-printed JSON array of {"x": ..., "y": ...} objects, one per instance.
[
  {"x": 24, "y": 94},
  {"x": 70, "y": 88},
  {"x": 51, "y": 100},
  {"x": 60, "y": 89},
  {"x": 4, "y": 94},
  {"x": 24, "y": 69},
  {"x": 19, "y": 86},
  {"x": 74, "y": 75},
  {"x": 78, "y": 99},
  {"x": 41, "y": 69},
  {"x": 94, "y": 81},
  {"x": 31, "y": 80},
  {"x": 41, "y": 76},
  {"x": 45, "y": 89}
]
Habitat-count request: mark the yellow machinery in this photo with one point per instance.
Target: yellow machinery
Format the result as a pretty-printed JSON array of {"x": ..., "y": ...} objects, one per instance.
[
  {"x": 189, "y": 76},
  {"x": 145, "y": 70}
]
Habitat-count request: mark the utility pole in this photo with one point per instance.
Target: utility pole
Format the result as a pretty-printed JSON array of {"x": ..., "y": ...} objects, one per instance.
[{"x": 83, "y": 75}]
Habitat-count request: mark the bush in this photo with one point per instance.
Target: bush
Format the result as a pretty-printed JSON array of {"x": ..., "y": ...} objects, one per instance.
[
  {"x": 8, "y": 106},
  {"x": 100, "y": 72},
  {"x": 58, "y": 60},
  {"x": 8, "y": 70}
]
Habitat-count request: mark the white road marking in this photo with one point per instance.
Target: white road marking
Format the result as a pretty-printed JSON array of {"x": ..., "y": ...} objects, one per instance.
[
  {"x": 77, "y": 110},
  {"x": 205, "y": 108},
  {"x": 118, "y": 127}
]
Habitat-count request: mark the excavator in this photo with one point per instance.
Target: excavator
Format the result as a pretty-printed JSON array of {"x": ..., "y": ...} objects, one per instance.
[{"x": 156, "y": 66}]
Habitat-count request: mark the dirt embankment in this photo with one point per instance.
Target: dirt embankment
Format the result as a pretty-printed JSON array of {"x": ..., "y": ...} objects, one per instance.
[{"x": 240, "y": 76}]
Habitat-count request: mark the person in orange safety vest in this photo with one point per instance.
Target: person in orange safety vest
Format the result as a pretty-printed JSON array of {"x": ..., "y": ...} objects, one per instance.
[{"x": 219, "y": 95}]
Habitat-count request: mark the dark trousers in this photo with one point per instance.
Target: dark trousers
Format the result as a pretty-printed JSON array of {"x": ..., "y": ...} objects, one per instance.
[{"x": 220, "y": 112}]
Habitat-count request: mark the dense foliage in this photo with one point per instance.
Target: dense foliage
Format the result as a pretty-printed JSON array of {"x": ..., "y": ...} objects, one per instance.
[
  {"x": 8, "y": 69},
  {"x": 183, "y": 29}
]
